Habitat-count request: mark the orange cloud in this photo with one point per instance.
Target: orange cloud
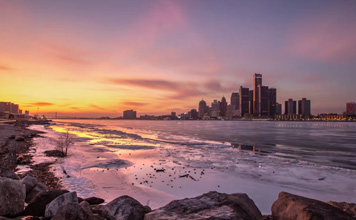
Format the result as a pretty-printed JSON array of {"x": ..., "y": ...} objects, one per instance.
[
  {"x": 5, "y": 68},
  {"x": 134, "y": 104},
  {"x": 36, "y": 104}
]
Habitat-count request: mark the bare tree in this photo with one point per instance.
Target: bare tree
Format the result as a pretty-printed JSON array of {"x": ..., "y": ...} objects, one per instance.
[{"x": 64, "y": 142}]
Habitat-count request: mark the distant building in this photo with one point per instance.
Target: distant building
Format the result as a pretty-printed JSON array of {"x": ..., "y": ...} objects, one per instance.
[
  {"x": 272, "y": 102},
  {"x": 202, "y": 109},
  {"x": 290, "y": 107},
  {"x": 20, "y": 111},
  {"x": 173, "y": 116},
  {"x": 278, "y": 109},
  {"x": 244, "y": 101},
  {"x": 263, "y": 100},
  {"x": 250, "y": 107},
  {"x": 215, "y": 108},
  {"x": 129, "y": 114},
  {"x": 193, "y": 114},
  {"x": 304, "y": 108},
  {"x": 235, "y": 101},
  {"x": 351, "y": 108},
  {"x": 5, "y": 107},
  {"x": 223, "y": 107},
  {"x": 27, "y": 113},
  {"x": 257, "y": 81},
  {"x": 14, "y": 109}
]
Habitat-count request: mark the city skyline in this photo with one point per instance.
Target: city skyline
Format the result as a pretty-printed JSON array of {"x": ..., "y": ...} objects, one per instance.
[{"x": 98, "y": 59}]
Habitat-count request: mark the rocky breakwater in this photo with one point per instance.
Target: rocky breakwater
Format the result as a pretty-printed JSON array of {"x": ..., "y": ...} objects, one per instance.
[{"x": 29, "y": 199}]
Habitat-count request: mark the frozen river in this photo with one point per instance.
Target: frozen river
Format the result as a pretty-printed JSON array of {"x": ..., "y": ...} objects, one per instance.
[{"x": 158, "y": 161}]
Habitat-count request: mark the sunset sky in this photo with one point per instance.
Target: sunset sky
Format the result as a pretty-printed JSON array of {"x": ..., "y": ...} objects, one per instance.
[{"x": 98, "y": 58}]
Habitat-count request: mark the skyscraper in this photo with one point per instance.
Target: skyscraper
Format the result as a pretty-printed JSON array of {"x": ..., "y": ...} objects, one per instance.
[
  {"x": 304, "y": 108},
  {"x": 244, "y": 101},
  {"x": 250, "y": 102},
  {"x": 235, "y": 101},
  {"x": 278, "y": 109},
  {"x": 257, "y": 81},
  {"x": 264, "y": 98},
  {"x": 202, "y": 108},
  {"x": 223, "y": 107},
  {"x": 215, "y": 108},
  {"x": 272, "y": 102},
  {"x": 290, "y": 107}
]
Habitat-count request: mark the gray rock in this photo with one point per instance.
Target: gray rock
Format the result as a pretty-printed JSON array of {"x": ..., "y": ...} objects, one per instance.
[
  {"x": 30, "y": 183},
  {"x": 38, "y": 205},
  {"x": 52, "y": 207},
  {"x": 72, "y": 211},
  {"x": 124, "y": 208},
  {"x": 86, "y": 206},
  {"x": 40, "y": 187},
  {"x": 12, "y": 197},
  {"x": 10, "y": 174},
  {"x": 289, "y": 206},
  {"x": 212, "y": 205},
  {"x": 346, "y": 207}
]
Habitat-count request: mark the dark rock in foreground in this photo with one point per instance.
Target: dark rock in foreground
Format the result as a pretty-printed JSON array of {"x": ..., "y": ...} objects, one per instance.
[
  {"x": 124, "y": 208},
  {"x": 212, "y": 205},
  {"x": 72, "y": 211},
  {"x": 53, "y": 207},
  {"x": 38, "y": 205},
  {"x": 12, "y": 197},
  {"x": 346, "y": 207},
  {"x": 293, "y": 207}
]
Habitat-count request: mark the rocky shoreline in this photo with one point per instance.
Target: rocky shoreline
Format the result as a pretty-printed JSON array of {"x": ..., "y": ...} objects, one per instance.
[{"x": 38, "y": 194}]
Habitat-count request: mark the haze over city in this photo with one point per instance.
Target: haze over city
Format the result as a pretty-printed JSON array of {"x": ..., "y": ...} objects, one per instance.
[{"x": 91, "y": 58}]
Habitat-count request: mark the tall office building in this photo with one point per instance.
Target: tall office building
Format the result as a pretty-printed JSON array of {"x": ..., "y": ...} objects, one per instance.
[
  {"x": 202, "y": 108},
  {"x": 264, "y": 98},
  {"x": 278, "y": 109},
  {"x": 223, "y": 107},
  {"x": 290, "y": 107},
  {"x": 351, "y": 108},
  {"x": 129, "y": 114},
  {"x": 235, "y": 101},
  {"x": 244, "y": 100},
  {"x": 304, "y": 108},
  {"x": 272, "y": 102},
  {"x": 215, "y": 108},
  {"x": 257, "y": 81},
  {"x": 250, "y": 102}
]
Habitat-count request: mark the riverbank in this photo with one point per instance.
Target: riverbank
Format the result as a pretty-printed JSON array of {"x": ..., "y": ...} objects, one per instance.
[{"x": 16, "y": 142}]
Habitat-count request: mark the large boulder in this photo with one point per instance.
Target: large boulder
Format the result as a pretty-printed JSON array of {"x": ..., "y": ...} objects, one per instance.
[
  {"x": 212, "y": 205},
  {"x": 38, "y": 205},
  {"x": 124, "y": 208},
  {"x": 12, "y": 197},
  {"x": 52, "y": 207},
  {"x": 72, "y": 211},
  {"x": 30, "y": 183},
  {"x": 40, "y": 187},
  {"x": 346, "y": 207},
  {"x": 293, "y": 207}
]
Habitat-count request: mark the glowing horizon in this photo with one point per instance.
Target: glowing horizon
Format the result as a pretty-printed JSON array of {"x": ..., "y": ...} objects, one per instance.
[{"x": 89, "y": 58}]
